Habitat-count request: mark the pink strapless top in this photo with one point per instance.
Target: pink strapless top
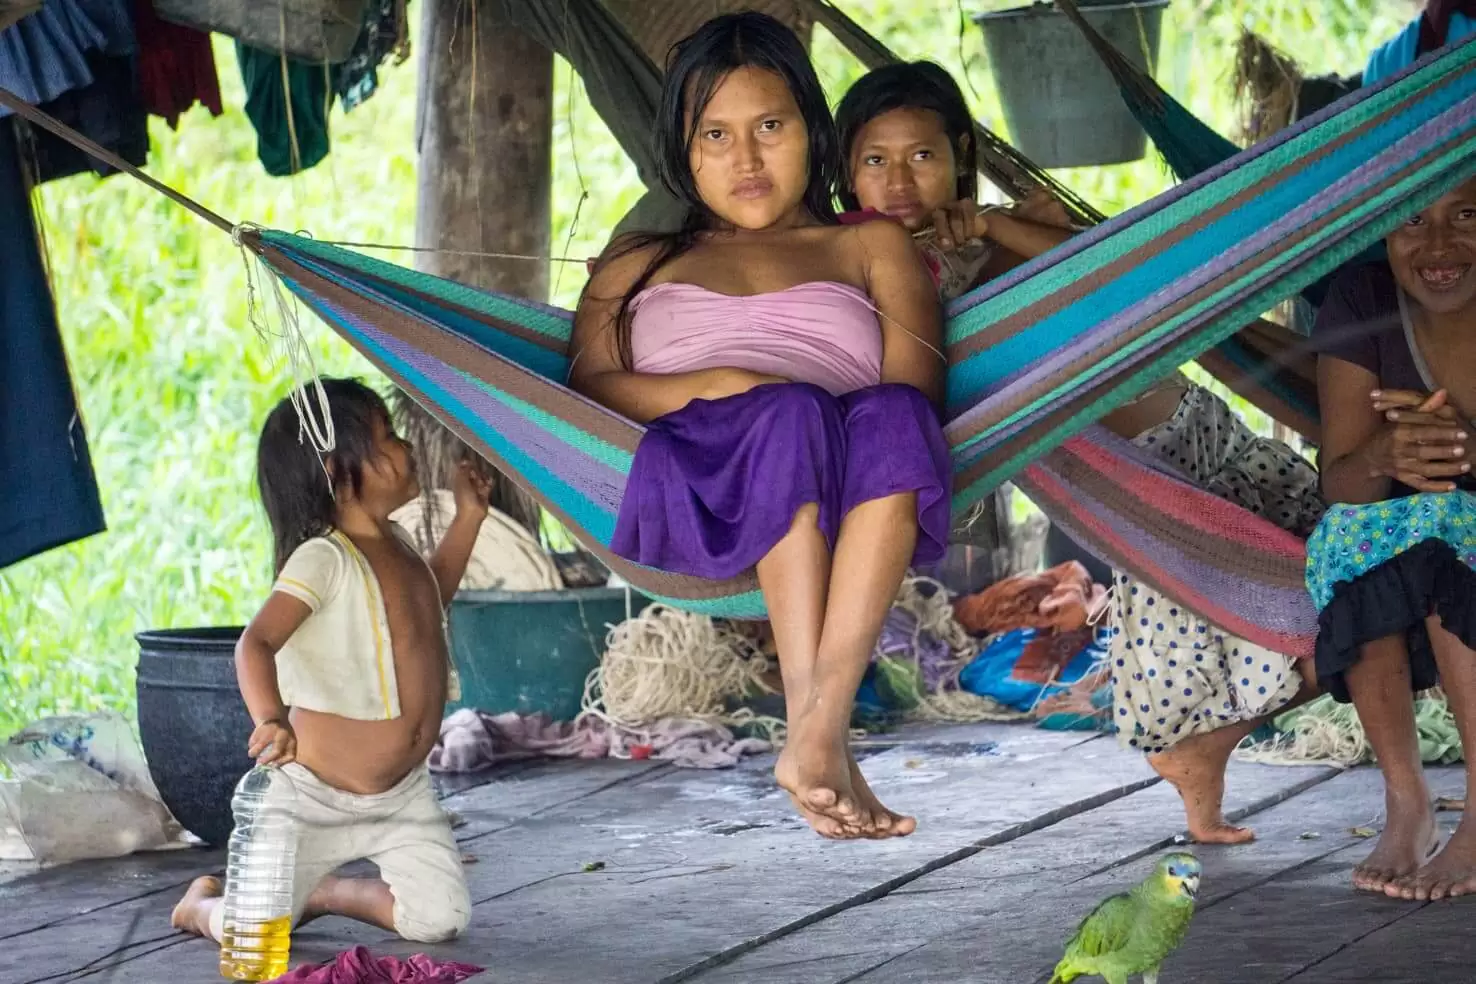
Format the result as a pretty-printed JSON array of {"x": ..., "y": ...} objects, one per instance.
[{"x": 822, "y": 332}]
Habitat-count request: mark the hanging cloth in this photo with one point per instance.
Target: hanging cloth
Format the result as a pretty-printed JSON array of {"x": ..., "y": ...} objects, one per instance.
[
  {"x": 385, "y": 32},
  {"x": 77, "y": 59},
  {"x": 176, "y": 66},
  {"x": 46, "y": 54},
  {"x": 287, "y": 102},
  {"x": 48, "y": 493}
]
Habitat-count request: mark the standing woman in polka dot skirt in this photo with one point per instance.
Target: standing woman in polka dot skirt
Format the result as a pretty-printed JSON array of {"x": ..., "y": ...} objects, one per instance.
[{"x": 1185, "y": 691}]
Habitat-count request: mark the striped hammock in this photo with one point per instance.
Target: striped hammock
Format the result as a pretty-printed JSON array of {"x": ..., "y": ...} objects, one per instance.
[{"x": 1034, "y": 357}]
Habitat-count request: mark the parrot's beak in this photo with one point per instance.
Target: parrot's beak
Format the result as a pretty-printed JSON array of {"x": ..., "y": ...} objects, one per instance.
[{"x": 1190, "y": 884}]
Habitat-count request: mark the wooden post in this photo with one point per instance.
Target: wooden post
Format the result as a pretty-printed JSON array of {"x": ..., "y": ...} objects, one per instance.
[
  {"x": 486, "y": 166},
  {"x": 486, "y": 135}
]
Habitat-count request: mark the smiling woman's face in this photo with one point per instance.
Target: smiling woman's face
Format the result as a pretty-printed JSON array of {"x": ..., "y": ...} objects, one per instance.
[
  {"x": 750, "y": 157},
  {"x": 902, "y": 164},
  {"x": 1434, "y": 254}
]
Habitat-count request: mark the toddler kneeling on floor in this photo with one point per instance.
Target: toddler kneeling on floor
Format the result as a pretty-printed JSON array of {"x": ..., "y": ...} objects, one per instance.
[{"x": 345, "y": 672}]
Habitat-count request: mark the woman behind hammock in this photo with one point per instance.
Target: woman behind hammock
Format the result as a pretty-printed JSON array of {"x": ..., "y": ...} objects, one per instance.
[
  {"x": 1185, "y": 692},
  {"x": 787, "y": 369}
]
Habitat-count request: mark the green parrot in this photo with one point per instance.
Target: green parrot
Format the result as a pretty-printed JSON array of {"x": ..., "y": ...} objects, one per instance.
[{"x": 1131, "y": 933}]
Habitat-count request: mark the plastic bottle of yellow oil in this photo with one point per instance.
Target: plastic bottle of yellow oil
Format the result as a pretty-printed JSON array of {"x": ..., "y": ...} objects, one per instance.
[{"x": 257, "y": 937}]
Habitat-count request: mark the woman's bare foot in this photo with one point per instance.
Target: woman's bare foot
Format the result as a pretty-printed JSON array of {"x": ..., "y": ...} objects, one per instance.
[
  {"x": 815, "y": 770},
  {"x": 1450, "y": 875},
  {"x": 1196, "y": 768},
  {"x": 887, "y": 823},
  {"x": 192, "y": 914},
  {"x": 1408, "y": 840}
]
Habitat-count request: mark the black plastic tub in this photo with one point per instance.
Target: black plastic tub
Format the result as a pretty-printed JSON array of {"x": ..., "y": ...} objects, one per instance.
[{"x": 193, "y": 724}]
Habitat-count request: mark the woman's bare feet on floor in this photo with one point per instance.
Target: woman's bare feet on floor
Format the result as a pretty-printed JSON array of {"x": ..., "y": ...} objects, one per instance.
[
  {"x": 1408, "y": 840},
  {"x": 815, "y": 770},
  {"x": 1196, "y": 768},
  {"x": 1450, "y": 875},
  {"x": 887, "y": 823},
  {"x": 192, "y": 914}
]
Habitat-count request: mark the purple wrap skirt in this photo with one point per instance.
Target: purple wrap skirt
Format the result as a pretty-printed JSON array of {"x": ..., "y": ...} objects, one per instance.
[{"x": 715, "y": 485}]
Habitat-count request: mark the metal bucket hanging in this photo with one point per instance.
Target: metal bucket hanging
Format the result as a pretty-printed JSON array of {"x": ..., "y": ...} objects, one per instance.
[
  {"x": 310, "y": 30},
  {"x": 1061, "y": 104},
  {"x": 13, "y": 10}
]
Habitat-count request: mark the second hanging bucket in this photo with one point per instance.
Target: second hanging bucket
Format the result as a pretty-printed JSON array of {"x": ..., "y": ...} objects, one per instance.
[{"x": 1060, "y": 102}]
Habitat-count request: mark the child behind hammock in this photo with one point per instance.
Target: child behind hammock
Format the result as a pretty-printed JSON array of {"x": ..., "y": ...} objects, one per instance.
[{"x": 345, "y": 672}]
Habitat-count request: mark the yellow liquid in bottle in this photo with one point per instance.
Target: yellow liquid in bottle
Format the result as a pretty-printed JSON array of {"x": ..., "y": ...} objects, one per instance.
[{"x": 256, "y": 951}]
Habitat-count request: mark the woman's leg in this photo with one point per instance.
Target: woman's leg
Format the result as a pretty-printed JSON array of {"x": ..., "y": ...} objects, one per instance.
[
  {"x": 875, "y": 544},
  {"x": 1196, "y": 768},
  {"x": 795, "y": 578},
  {"x": 1379, "y": 684},
  {"x": 1453, "y": 871}
]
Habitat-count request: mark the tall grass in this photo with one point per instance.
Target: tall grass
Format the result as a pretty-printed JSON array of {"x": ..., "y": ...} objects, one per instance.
[{"x": 173, "y": 383}]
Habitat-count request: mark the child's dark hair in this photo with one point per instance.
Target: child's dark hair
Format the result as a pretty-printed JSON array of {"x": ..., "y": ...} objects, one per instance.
[
  {"x": 908, "y": 85},
  {"x": 289, "y": 475},
  {"x": 697, "y": 65}
]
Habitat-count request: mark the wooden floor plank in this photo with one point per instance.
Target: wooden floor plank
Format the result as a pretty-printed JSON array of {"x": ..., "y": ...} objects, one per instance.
[
  {"x": 1270, "y": 907},
  {"x": 72, "y": 915},
  {"x": 698, "y": 865},
  {"x": 1423, "y": 943},
  {"x": 954, "y": 907},
  {"x": 1307, "y": 913}
]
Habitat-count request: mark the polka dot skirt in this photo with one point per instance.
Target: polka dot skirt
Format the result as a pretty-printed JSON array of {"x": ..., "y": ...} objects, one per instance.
[{"x": 1174, "y": 674}]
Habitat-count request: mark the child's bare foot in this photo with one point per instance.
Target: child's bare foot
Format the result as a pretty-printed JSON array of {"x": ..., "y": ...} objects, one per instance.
[
  {"x": 1450, "y": 875},
  {"x": 815, "y": 770},
  {"x": 192, "y": 914},
  {"x": 887, "y": 823},
  {"x": 1196, "y": 768},
  {"x": 1408, "y": 840}
]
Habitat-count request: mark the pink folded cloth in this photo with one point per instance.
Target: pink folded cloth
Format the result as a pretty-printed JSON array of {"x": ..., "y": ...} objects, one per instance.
[{"x": 359, "y": 966}]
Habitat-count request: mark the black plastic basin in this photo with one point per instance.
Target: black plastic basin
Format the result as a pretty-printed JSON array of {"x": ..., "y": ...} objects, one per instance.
[{"x": 193, "y": 724}]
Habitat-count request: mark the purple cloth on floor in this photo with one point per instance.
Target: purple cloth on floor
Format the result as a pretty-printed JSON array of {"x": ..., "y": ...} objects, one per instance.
[
  {"x": 715, "y": 485},
  {"x": 900, "y": 637},
  {"x": 359, "y": 966}
]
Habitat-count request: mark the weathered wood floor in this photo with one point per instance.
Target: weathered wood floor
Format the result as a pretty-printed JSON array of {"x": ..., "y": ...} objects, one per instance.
[{"x": 708, "y": 878}]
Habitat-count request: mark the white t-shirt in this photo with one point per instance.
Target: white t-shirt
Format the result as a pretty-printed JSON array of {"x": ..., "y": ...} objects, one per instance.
[{"x": 339, "y": 661}]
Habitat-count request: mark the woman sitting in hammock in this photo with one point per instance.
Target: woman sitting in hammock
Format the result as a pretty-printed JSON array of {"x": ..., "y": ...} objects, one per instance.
[
  {"x": 1390, "y": 568},
  {"x": 1185, "y": 692},
  {"x": 787, "y": 369}
]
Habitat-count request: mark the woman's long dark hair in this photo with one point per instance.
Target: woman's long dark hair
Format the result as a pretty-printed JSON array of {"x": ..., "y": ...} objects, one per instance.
[
  {"x": 697, "y": 65},
  {"x": 908, "y": 85},
  {"x": 293, "y": 485}
]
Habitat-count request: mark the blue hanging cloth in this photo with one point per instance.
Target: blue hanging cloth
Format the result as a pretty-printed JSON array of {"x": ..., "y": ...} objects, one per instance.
[{"x": 48, "y": 492}]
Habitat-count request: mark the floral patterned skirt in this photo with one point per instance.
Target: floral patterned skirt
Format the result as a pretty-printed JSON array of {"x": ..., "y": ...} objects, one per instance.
[{"x": 1383, "y": 569}]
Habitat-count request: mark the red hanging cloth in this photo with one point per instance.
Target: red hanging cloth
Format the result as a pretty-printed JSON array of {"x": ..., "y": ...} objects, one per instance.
[{"x": 176, "y": 66}]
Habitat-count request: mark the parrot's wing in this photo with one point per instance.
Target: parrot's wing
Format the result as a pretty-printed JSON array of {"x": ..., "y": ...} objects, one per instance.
[{"x": 1106, "y": 930}]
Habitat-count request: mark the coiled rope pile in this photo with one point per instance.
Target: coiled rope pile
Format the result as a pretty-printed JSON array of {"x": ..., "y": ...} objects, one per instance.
[{"x": 665, "y": 663}]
